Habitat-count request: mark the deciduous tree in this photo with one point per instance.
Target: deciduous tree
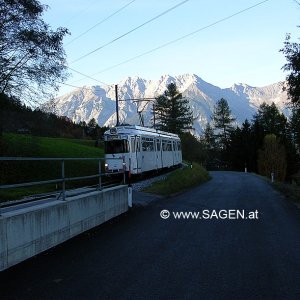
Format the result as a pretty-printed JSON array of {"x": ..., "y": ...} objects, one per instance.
[
  {"x": 272, "y": 158},
  {"x": 32, "y": 58},
  {"x": 291, "y": 51}
]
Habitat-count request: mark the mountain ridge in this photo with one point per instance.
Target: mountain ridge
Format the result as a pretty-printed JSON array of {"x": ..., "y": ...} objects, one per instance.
[{"x": 99, "y": 101}]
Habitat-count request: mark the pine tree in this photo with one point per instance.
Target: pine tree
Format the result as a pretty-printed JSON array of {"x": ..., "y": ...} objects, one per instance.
[
  {"x": 223, "y": 122},
  {"x": 92, "y": 128},
  {"x": 209, "y": 138},
  {"x": 172, "y": 111},
  {"x": 242, "y": 151},
  {"x": 271, "y": 120}
]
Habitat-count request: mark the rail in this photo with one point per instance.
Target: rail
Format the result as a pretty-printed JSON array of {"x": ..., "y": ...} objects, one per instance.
[{"x": 63, "y": 180}]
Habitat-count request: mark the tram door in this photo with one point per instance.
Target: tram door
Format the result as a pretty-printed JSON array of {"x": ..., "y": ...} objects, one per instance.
[
  {"x": 174, "y": 153},
  {"x": 136, "y": 161},
  {"x": 158, "y": 154}
]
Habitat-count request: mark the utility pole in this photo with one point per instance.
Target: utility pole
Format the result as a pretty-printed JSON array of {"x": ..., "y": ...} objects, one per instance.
[
  {"x": 154, "y": 116},
  {"x": 117, "y": 104}
]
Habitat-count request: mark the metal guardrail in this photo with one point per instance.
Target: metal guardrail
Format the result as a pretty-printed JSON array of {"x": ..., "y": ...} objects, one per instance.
[{"x": 63, "y": 180}]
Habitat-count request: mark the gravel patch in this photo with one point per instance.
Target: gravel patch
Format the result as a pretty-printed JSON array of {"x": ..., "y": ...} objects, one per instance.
[{"x": 139, "y": 186}]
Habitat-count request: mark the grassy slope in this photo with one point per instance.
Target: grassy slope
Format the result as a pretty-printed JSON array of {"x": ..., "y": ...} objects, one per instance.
[
  {"x": 181, "y": 179},
  {"x": 27, "y": 145},
  {"x": 32, "y": 146},
  {"x": 291, "y": 191}
]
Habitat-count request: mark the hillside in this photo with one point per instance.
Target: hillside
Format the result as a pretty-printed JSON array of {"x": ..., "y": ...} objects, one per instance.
[
  {"x": 33, "y": 146},
  {"x": 99, "y": 101}
]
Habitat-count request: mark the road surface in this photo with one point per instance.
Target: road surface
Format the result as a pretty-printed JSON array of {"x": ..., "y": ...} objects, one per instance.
[{"x": 140, "y": 255}]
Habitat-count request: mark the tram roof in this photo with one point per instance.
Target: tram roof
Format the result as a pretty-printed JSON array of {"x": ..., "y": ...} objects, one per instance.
[{"x": 135, "y": 129}]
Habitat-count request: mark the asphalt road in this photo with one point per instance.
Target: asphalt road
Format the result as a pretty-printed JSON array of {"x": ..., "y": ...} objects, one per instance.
[{"x": 139, "y": 255}]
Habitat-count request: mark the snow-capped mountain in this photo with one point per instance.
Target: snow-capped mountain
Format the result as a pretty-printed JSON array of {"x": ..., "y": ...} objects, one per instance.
[{"x": 99, "y": 101}]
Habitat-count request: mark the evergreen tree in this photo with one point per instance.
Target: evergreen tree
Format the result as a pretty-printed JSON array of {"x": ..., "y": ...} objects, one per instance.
[
  {"x": 271, "y": 120},
  {"x": 209, "y": 138},
  {"x": 223, "y": 122},
  {"x": 172, "y": 111},
  {"x": 193, "y": 149},
  {"x": 93, "y": 129},
  {"x": 236, "y": 154},
  {"x": 92, "y": 124},
  {"x": 209, "y": 142},
  {"x": 242, "y": 153}
]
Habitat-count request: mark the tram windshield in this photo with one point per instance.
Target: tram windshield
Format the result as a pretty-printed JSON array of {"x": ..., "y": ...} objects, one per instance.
[{"x": 116, "y": 146}]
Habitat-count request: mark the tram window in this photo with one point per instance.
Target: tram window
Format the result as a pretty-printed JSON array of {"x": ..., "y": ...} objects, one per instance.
[
  {"x": 169, "y": 146},
  {"x": 147, "y": 144},
  {"x": 164, "y": 145},
  {"x": 150, "y": 145},
  {"x": 144, "y": 144},
  {"x": 116, "y": 146}
]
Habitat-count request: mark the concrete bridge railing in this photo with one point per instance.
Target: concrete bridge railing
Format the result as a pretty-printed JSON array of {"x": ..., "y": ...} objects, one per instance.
[{"x": 28, "y": 231}]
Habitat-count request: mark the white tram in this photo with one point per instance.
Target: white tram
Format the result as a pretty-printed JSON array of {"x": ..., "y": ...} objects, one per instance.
[{"x": 142, "y": 149}]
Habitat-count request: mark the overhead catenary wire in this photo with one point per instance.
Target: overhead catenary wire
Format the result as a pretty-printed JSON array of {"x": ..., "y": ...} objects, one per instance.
[
  {"x": 71, "y": 85},
  {"x": 138, "y": 99},
  {"x": 99, "y": 23},
  {"x": 87, "y": 76},
  {"x": 173, "y": 41},
  {"x": 130, "y": 31},
  {"x": 180, "y": 38}
]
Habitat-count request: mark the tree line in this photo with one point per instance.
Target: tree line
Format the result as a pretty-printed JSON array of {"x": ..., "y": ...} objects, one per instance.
[
  {"x": 267, "y": 144},
  {"x": 17, "y": 117}
]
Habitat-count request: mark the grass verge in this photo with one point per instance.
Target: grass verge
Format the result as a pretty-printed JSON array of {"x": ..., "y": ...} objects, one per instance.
[
  {"x": 180, "y": 180},
  {"x": 291, "y": 191},
  {"x": 33, "y": 146}
]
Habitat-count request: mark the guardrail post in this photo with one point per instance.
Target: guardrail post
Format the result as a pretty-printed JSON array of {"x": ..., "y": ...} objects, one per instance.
[
  {"x": 63, "y": 180},
  {"x": 100, "y": 174}
]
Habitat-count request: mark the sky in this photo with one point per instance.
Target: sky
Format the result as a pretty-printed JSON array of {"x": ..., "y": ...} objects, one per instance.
[{"x": 243, "y": 48}]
